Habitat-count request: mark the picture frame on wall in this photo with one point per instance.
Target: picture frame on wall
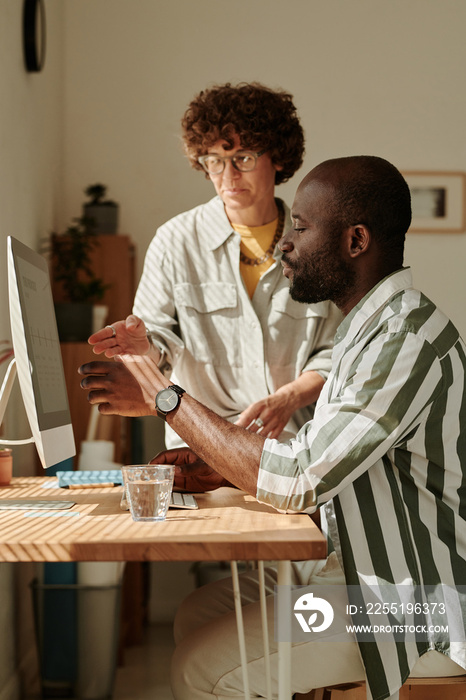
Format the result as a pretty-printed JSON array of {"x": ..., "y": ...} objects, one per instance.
[{"x": 438, "y": 201}]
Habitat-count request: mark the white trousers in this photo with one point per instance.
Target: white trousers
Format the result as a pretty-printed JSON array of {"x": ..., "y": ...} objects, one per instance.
[{"x": 206, "y": 663}]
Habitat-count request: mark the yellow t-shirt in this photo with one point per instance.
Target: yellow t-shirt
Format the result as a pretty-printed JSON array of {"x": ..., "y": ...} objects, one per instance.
[{"x": 255, "y": 241}]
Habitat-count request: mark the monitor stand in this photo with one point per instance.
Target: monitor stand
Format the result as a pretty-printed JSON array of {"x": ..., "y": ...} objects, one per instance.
[
  {"x": 19, "y": 503},
  {"x": 5, "y": 392}
]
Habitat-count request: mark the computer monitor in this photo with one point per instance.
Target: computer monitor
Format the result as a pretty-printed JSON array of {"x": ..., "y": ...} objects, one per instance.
[{"x": 37, "y": 354}]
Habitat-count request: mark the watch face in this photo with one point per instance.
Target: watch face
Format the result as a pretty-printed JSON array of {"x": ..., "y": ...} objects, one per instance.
[{"x": 167, "y": 400}]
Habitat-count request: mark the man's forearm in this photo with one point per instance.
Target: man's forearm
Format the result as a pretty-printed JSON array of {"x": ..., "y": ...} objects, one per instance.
[{"x": 232, "y": 451}]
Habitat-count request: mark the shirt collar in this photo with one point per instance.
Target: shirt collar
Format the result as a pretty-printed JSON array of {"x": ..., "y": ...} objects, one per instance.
[
  {"x": 218, "y": 234},
  {"x": 372, "y": 302}
]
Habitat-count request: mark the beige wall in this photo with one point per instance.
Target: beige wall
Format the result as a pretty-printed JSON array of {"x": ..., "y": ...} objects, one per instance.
[
  {"x": 30, "y": 133},
  {"x": 368, "y": 76},
  {"x": 30, "y": 176},
  {"x": 30, "y": 160}
]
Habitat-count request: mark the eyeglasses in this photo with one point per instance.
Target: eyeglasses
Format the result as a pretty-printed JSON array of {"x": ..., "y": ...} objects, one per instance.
[{"x": 245, "y": 161}]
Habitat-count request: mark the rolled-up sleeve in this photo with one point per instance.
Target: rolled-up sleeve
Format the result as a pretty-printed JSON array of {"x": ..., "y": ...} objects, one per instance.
[
  {"x": 154, "y": 303},
  {"x": 382, "y": 396}
]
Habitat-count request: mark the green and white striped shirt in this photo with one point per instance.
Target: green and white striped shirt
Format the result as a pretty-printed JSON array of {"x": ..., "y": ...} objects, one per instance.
[{"x": 385, "y": 455}]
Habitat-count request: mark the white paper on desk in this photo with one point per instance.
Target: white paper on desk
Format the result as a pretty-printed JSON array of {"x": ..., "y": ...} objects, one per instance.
[{"x": 98, "y": 622}]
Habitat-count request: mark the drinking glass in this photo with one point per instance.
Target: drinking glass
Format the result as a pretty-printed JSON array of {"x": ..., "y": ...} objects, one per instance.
[{"x": 148, "y": 489}]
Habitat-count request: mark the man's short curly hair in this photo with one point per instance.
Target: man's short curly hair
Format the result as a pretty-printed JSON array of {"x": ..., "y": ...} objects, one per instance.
[{"x": 264, "y": 119}]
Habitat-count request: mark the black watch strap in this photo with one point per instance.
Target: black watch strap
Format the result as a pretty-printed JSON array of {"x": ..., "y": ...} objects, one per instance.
[{"x": 178, "y": 389}]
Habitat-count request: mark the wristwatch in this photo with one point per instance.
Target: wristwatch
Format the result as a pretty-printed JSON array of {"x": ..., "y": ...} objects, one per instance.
[{"x": 168, "y": 399}]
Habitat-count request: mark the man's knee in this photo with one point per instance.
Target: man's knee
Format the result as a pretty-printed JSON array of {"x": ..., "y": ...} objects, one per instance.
[{"x": 202, "y": 605}]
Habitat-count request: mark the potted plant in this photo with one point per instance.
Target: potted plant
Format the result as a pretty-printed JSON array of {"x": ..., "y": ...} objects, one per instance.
[
  {"x": 101, "y": 213},
  {"x": 79, "y": 289}
]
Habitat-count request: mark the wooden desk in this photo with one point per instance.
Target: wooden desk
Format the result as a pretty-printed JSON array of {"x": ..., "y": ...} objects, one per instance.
[{"x": 229, "y": 525}]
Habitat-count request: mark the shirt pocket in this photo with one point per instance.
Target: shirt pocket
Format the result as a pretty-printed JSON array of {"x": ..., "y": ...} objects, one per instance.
[
  {"x": 208, "y": 320},
  {"x": 293, "y": 328},
  {"x": 282, "y": 303}
]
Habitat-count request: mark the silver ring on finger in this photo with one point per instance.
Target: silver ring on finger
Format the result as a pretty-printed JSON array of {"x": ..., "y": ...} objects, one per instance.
[
  {"x": 259, "y": 422},
  {"x": 113, "y": 331}
]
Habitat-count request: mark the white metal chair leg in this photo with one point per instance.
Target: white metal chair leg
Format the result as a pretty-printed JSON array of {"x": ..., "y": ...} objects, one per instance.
[
  {"x": 265, "y": 631},
  {"x": 240, "y": 626},
  {"x": 284, "y": 648}
]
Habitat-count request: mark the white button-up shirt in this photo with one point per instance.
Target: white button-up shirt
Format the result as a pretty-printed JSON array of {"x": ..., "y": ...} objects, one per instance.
[{"x": 222, "y": 347}]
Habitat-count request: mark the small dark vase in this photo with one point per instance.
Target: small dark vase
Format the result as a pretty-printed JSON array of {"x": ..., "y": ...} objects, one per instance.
[
  {"x": 74, "y": 321},
  {"x": 103, "y": 218}
]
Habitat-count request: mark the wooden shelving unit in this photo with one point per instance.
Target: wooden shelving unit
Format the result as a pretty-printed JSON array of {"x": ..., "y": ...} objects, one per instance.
[{"x": 113, "y": 259}]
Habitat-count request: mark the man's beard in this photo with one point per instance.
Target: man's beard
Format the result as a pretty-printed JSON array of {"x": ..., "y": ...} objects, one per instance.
[{"x": 320, "y": 277}]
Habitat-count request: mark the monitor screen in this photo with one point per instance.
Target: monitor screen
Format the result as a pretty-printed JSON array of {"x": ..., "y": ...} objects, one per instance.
[{"x": 37, "y": 353}]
